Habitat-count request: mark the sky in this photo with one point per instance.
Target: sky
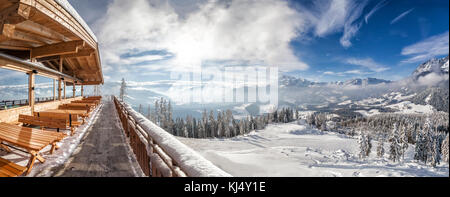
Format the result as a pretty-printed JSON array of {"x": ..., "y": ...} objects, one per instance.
[{"x": 322, "y": 40}]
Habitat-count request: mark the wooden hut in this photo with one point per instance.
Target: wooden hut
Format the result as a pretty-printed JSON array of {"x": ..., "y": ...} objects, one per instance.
[{"x": 47, "y": 38}]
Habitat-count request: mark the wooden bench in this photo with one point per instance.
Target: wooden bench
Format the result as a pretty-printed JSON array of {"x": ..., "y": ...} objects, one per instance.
[
  {"x": 77, "y": 106},
  {"x": 10, "y": 169},
  {"x": 48, "y": 122},
  {"x": 31, "y": 140},
  {"x": 94, "y": 97},
  {"x": 65, "y": 120},
  {"x": 95, "y": 102}
]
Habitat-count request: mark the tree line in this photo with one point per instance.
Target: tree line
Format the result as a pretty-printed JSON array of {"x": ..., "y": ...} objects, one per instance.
[
  {"x": 213, "y": 125},
  {"x": 429, "y": 134}
]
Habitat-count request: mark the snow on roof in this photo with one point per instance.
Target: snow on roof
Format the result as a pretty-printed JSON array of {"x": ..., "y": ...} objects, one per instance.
[
  {"x": 192, "y": 163},
  {"x": 66, "y": 5}
]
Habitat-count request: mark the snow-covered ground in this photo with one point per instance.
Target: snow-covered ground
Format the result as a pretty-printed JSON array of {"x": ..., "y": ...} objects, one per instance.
[{"x": 296, "y": 150}]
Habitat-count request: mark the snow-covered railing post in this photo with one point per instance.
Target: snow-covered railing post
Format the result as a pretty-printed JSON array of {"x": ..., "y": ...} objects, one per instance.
[{"x": 159, "y": 153}]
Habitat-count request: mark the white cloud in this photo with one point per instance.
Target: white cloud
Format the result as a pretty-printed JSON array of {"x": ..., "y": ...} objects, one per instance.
[
  {"x": 428, "y": 48},
  {"x": 368, "y": 63},
  {"x": 380, "y": 5},
  {"x": 396, "y": 19},
  {"x": 431, "y": 79},
  {"x": 339, "y": 16},
  {"x": 349, "y": 72},
  {"x": 251, "y": 31}
]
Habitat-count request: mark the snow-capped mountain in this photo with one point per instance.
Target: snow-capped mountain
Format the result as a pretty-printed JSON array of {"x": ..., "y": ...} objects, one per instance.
[
  {"x": 289, "y": 81},
  {"x": 365, "y": 82},
  {"x": 438, "y": 66}
]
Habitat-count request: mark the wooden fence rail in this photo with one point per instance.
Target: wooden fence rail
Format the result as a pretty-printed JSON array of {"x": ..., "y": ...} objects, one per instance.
[
  {"x": 153, "y": 159},
  {"x": 23, "y": 102}
]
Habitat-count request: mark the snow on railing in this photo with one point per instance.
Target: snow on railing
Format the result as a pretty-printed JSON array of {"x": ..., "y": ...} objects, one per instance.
[{"x": 158, "y": 152}]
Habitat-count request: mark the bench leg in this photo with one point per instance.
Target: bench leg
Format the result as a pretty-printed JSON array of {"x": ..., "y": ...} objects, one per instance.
[
  {"x": 53, "y": 148},
  {"x": 4, "y": 147},
  {"x": 31, "y": 162}
]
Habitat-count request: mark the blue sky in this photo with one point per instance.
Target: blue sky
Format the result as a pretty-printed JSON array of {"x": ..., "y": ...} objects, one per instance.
[
  {"x": 324, "y": 40},
  {"x": 375, "y": 49}
]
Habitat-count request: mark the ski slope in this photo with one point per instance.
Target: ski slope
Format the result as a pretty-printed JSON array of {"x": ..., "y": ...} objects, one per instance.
[{"x": 296, "y": 150}]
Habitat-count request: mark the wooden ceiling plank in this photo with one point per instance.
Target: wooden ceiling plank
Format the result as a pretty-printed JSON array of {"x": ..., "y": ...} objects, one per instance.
[{"x": 41, "y": 30}]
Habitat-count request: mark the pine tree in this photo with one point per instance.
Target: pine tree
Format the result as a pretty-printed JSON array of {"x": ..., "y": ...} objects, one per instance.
[
  {"x": 395, "y": 148},
  {"x": 403, "y": 141},
  {"x": 380, "y": 148},
  {"x": 435, "y": 156},
  {"x": 369, "y": 144},
  {"x": 123, "y": 87},
  {"x": 444, "y": 149},
  {"x": 362, "y": 145},
  {"x": 149, "y": 114},
  {"x": 140, "y": 108}
]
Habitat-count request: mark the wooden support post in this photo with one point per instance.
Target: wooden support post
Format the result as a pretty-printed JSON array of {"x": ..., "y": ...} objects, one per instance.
[
  {"x": 82, "y": 89},
  {"x": 59, "y": 81},
  {"x": 59, "y": 89},
  {"x": 54, "y": 91},
  {"x": 31, "y": 90},
  {"x": 65, "y": 90},
  {"x": 74, "y": 90}
]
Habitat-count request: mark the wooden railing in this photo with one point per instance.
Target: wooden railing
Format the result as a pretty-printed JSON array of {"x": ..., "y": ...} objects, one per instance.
[
  {"x": 18, "y": 103},
  {"x": 151, "y": 146}
]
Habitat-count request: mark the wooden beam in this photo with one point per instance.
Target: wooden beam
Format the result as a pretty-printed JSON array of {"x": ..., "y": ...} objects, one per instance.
[
  {"x": 52, "y": 65},
  {"x": 81, "y": 53},
  {"x": 62, "y": 48},
  {"x": 11, "y": 33},
  {"x": 49, "y": 58},
  {"x": 14, "y": 14},
  {"x": 42, "y": 30},
  {"x": 92, "y": 82},
  {"x": 86, "y": 72}
]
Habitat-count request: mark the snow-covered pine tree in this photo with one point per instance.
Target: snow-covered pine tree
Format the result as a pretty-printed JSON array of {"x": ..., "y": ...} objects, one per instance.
[
  {"x": 362, "y": 145},
  {"x": 435, "y": 156},
  {"x": 444, "y": 149},
  {"x": 212, "y": 124},
  {"x": 140, "y": 108},
  {"x": 149, "y": 114},
  {"x": 157, "y": 110},
  {"x": 420, "y": 150},
  {"x": 369, "y": 145},
  {"x": 123, "y": 87},
  {"x": 395, "y": 148},
  {"x": 403, "y": 140},
  {"x": 380, "y": 148},
  {"x": 219, "y": 125}
]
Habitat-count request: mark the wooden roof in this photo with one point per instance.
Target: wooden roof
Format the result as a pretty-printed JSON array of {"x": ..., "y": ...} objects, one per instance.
[{"x": 46, "y": 31}]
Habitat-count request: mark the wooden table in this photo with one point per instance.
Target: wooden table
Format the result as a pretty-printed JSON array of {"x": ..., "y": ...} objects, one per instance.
[
  {"x": 82, "y": 113},
  {"x": 32, "y": 140}
]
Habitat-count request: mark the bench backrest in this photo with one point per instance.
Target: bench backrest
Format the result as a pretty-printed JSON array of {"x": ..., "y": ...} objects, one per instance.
[
  {"x": 68, "y": 117},
  {"x": 44, "y": 121},
  {"x": 68, "y": 107}
]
